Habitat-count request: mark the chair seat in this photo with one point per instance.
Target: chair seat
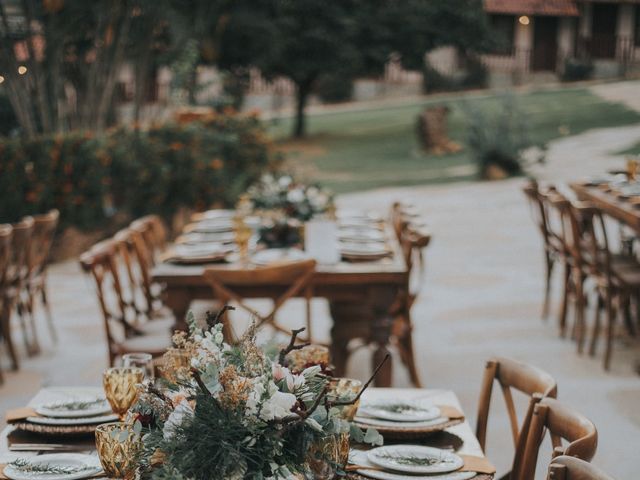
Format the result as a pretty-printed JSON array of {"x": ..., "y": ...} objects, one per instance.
[
  {"x": 626, "y": 271},
  {"x": 159, "y": 325}
]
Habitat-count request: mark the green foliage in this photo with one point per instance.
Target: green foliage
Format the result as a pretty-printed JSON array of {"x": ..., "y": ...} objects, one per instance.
[
  {"x": 133, "y": 171},
  {"x": 576, "y": 70},
  {"x": 498, "y": 137},
  {"x": 334, "y": 87}
]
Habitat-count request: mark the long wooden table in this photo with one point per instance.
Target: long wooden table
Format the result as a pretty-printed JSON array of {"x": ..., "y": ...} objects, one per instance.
[
  {"x": 360, "y": 294},
  {"x": 459, "y": 437},
  {"x": 623, "y": 210}
]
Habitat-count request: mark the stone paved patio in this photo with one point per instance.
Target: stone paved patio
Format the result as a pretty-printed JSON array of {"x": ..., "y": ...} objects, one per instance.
[{"x": 482, "y": 297}]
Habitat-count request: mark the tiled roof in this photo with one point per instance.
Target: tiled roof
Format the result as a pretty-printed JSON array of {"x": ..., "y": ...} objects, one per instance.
[{"x": 560, "y": 8}]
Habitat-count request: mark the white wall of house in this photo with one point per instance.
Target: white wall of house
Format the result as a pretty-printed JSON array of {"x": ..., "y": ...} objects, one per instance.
[{"x": 566, "y": 38}]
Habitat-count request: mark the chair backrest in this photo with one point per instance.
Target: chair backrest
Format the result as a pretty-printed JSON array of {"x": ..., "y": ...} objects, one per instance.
[
  {"x": 6, "y": 231},
  {"x": 594, "y": 241},
  {"x": 539, "y": 208},
  {"x": 571, "y": 468},
  {"x": 413, "y": 241},
  {"x": 562, "y": 423},
  {"x": 519, "y": 376},
  {"x": 569, "y": 234},
  {"x": 100, "y": 262},
  {"x": 290, "y": 279},
  {"x": 133, "y": 280},
  {"x": 20, "y": 251},
  {"x": 44, "y": 230},
  {"x": 154, "y": 234},
  {"x": 398, "y": 220}
]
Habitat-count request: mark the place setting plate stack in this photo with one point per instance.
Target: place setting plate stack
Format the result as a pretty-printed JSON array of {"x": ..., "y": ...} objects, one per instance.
[
  {"x": 361, "y": 236},
  {"x": 407, "y": 419},
  {"x": 410, "y": 420},
  {"x": 68, "y": 416}
]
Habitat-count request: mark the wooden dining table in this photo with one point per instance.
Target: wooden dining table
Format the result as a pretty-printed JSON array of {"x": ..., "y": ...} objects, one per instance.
[
  {"x": 361, "y": 296},
  {"x": 458, "y": 438},
  {"x": 620, "y": 208}
]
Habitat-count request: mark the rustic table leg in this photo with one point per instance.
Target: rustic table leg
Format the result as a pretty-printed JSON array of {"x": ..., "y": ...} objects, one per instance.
[
  {"x": 381, "y": 300},
  {"x": 178, "y": 301}
]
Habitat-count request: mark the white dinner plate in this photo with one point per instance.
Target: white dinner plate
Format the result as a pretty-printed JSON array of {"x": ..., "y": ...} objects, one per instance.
[
  {"x": 218, "y": 213},
  {"x": 358, "y": 457},
  {"x": 278, "y": 255},
  {"x": 65, "y": 408},
  {"x": 213, "y": 226},
  {"x": 415, "y": 459},
  {"x": 60, "y": 422},
  {"x": 352, "y": 248},
  {"x": 79, "y": 466},
  {"x": 400, "y": 410},
  {"x": 202, "y": 250},
  {"x": 361, "y": 235},
  {"x": 197, "y": 238},
  {"x": 399, "y": 426}
]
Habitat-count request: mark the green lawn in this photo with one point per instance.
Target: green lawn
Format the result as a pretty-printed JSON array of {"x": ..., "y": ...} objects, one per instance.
[
  {"x": 367, "y": 149},
  {"x": 634, "y": 150}
]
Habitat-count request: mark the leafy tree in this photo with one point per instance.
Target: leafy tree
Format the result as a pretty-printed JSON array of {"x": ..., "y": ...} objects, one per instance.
[{"x": 305, "y": 39}]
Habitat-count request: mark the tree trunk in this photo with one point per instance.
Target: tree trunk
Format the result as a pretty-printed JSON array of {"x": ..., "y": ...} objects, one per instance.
[{"x": 302, "y": 96}]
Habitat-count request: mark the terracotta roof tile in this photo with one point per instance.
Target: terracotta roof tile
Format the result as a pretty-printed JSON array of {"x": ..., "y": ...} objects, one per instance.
[{"x": 560, "y": 8}]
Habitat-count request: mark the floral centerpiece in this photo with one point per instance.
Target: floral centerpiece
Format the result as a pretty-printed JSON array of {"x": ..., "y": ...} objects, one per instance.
[
  {"x": 284, "y": 204},
  {"x": 235, "y": 413}
]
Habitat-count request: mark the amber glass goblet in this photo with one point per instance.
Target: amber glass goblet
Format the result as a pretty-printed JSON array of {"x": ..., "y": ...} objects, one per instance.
[
  {"x": 118, "y": 445},
  {"x": 345, "y": 390},
  {"x": 120, "y": 387}
]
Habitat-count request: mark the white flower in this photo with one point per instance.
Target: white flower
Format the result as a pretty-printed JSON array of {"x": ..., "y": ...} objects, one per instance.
[
  {"x": 219, "y": 338},
  {"x": 285, "y": 181},
  {"x": 295, "y": 196},
  {"x": 182, "y": 413},
  {"x": 278, "y": 405},
  {"x": 255, "y": 396}
]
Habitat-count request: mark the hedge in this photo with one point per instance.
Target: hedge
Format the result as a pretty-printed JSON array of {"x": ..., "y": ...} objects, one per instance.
[{"x": 134, "y": 171}]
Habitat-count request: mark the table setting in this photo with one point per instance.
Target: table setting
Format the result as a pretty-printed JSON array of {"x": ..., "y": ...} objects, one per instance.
[
  {"x": 279, "y": 213},
  {"x": 240, "y": 410}
]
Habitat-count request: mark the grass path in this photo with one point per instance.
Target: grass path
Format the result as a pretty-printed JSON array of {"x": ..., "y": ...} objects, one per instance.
[{"x": 364, "y": 149}]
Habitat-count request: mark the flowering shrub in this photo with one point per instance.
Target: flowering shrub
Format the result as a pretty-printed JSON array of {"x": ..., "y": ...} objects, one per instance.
[{"x": 135, "y": 171}]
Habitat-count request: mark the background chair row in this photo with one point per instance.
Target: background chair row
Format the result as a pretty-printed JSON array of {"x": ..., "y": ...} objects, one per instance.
[
  {"x": 130, "y": 303},
  {"x": 543, "y": 414},
  {"x": 24, "y": 255},
  {"x": 576, "y": 236}
]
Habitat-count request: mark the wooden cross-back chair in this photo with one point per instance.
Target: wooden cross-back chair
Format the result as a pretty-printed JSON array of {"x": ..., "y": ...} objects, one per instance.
[
  {"x": 102, "y": 264},
  {"x": 153, "y": 233},
  {"x": 562, "y": 423},
  {"x": 146, "y": 247},
  {"x": 576, "y": 271},
  {"x": 5, "y": 311},
  {"x": 293, "y": 278},
  {"x": 572, "y": 468},
  {"x": 552, "y": 245},
  {"x": 18, "y": 277},
  {"x": 513, "y": 375},
  {"x": 617, "y": 276},
  {"x": 44, "y": 230}
]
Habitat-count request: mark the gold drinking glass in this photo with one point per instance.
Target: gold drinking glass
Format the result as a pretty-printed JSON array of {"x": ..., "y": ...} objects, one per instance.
[
  {"x": 329, "y": 455},
  {"x": 310, "y": 355},
  {"x": 120, "y": 387},
  {"x": 345, "y": 390},
  {"x": 632, "y": 168},
  {"x": 118, "y": 445},
  {"x": 242, "y": 233}
]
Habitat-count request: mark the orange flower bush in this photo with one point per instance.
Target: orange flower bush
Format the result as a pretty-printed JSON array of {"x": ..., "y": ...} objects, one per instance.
[{"x": 133, "y": 170}]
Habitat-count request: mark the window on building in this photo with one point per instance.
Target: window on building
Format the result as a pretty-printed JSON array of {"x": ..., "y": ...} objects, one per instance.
[
  {"x": 505, "y": 27},
  {"x": 636, "y": 31}
]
